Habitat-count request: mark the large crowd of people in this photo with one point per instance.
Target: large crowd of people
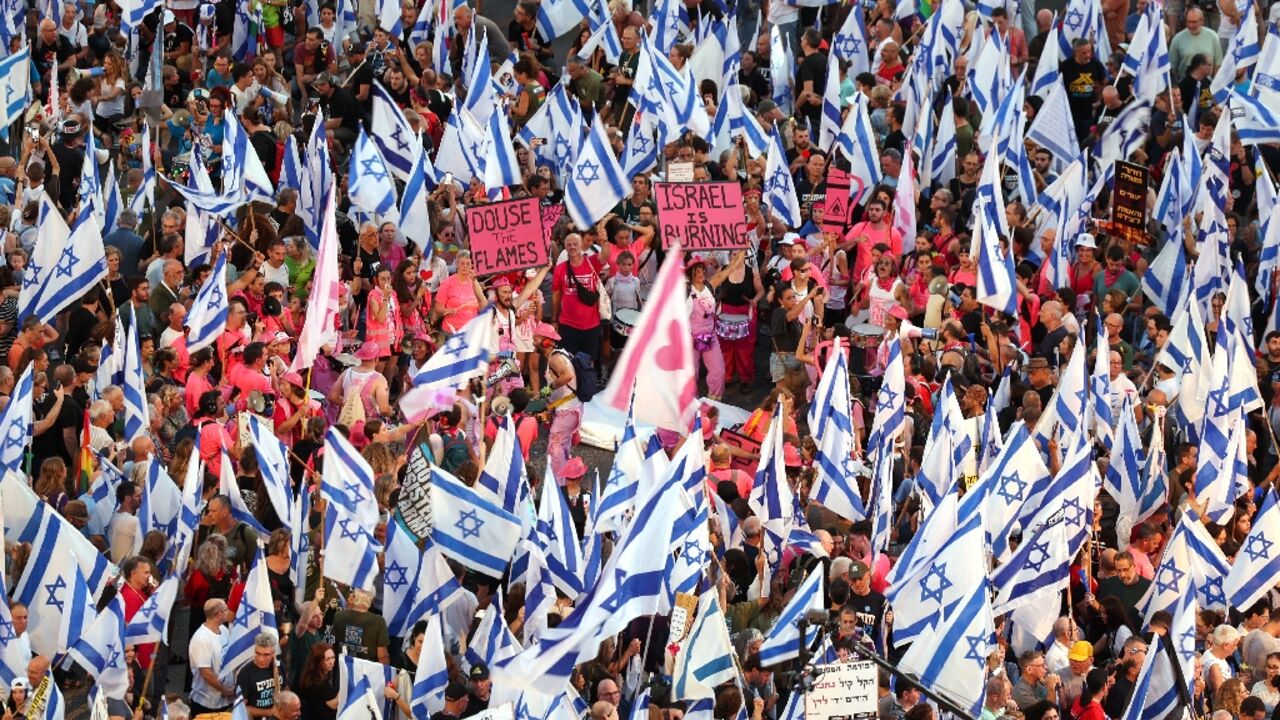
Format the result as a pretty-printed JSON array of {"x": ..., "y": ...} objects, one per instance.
[{"x": 129, "y": 131}]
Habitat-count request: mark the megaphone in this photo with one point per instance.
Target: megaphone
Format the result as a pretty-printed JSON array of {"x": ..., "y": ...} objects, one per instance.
[
  {"x": 938, "y": 286},
  {"x": 278, "y": 98},
  {"x": 74, "y": 74}
]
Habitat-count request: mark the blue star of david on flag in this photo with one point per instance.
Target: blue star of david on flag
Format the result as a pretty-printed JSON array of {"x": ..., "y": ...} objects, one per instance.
[
  {"x": 52, "y": 589},
  {"x": 1168, "y": 578},
  {"x": 1011, "y": 488},
  {"x": 588, "y": 172},
  {"x": 469, "y": 523},
  {"x": 395, "y": 576},
  {"x": 935, "y": 594},
  {"x": 1257, "y": 547},
  {"x": 67, "y": 263},
  {"x": 1040, "y": 551}
]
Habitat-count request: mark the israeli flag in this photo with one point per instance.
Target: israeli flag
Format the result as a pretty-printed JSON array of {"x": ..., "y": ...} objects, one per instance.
[
  {"x": 1037, "y": 571},
  {"x": 55, "y": 589},
  {"x": 540, "y": 592},
  {"x": 13, "y": 655},
  {"x": 64, "y": 263},
  {"x": 346, "y": 537},
  {"x": 432, "y": 676},
  {"x": 836, "y": 484},
  {"x": 939, "y": 582},
  {"x": 1242, "y": 53},
  {"x": 415, "y": 215},
  {"x": 151, "y": 623},
  {"x": 1257, "y": 566},
  {"x": 705, "y": 660},
  {"x": 1048, "y": 75},
  {"x": 597, "y": 182},
  {"x": 850, "y": 44},
  {"x": 470, "y": 528},
  {"x": 370, "y": 186},
  {"x": 15, "y": 85},
  {"x": 558, "y": 535},
  {"x": 1192, "y": 565},
  {"x": 492, "y": 642},
  {"x": 347, "y": 480},
  {"x": 1266, "y": 76},
  {"x": 391, "y": 132},
  {"x": 771, "y": 496},
  {"x": 953, "y": 659},
  {"x": 136, "y": 408},
  {"x": 100, "y": 650},
  {"x": 161, "y": 503},
  {"x": 501, "y": 169},
  {"x": 273, "y": 463},
  {"x": 779, "y": 186},
  {"x": 15, "y": 424},
  {"x": 781, "y": 643},
  {"x": 1258, "y": 123}
]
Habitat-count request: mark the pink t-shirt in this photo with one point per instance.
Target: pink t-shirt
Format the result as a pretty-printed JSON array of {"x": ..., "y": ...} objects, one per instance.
[
  {"x": 573, "y": 312},
  {"x": 197, "y": 385},
  {"x": 874, "y": 236},
  {"x": 457, "y": 293},
  {"x": 246, "y": 380}
]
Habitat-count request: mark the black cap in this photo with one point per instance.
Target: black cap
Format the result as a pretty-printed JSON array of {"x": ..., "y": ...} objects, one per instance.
[
  {"x": 479, "y": 671},
  {"x": 455, "y": 691}
]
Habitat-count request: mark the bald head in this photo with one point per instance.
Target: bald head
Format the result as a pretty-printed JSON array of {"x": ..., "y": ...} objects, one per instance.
[{"x": 1044, "y": 19}]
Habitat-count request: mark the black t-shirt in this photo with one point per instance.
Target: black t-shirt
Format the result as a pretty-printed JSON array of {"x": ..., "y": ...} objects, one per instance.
[
  {"x": 264, "y": 143},
  {"x": 343, "y": 106},
  {"x": 70, "y": 163},
  {"x": 51, "y": 443},
  {"x": 314, "y": 699},
  {"x": 475, "y": 706},
  {"x": 181, "y": 33},
  {"x": 786, "y": 333},
  {"x": 812, "y": 69},
  {"x": 870, "y": 610},
  {"x": 257, "y": 686},
  {"x": 48, "y": 56},
  {"x": 809, "y": 192},
  {"x": 79, "y": 327},
  {"x": 1082, "y": 81},
  {"x": 363, "y": 75},
  {"x": 754, "y": 81}
]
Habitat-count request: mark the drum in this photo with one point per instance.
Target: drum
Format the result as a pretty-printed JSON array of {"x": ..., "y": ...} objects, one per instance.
[
  {"x": 624, "y": 321},
  {"x": 733, "y": 326},
  {"x": 866, "y": 334}
]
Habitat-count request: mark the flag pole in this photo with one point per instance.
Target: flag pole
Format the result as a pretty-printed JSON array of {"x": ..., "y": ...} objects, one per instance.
[{"x": 146, "y": 681}]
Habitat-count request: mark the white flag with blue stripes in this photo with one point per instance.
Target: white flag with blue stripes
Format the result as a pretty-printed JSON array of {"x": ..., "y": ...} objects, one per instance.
[
  {"x": 850, "y": 44},
  {"x": 229, "y": 488},
  {"x": 781, "y": 642},
  {"x": 15, "y": 423},
  {"x": 369, "y": 185},
  {"x": 832, "y": 104},
  {"x": 347, "y": 480},
  {"x": 1036, "y": 572},
  {"x": 100, "y": 650},
  {"x": 464, "y": 355},
  {"x": 1257, "y": 566},
  {"x": 1192, "y": 564},
  {"x": 706, "y": 658},
  {"x": 273, "y": 463},
  {"x": 415, "y": 213},
  {"x": 151, "y": 622},
  {"x": 559, "y": 538},
  {"x": 391, "y": 132},
  {"x": 349, "y": 539},
  {"x": 432, "y": 675},
  {"x": 952, "y": 659},
  {"x": 208, "y": 316},
  {"x": 779, "y": 194},
  {"x": 492, "y": 642},
  {"x": 596, "y": 182},
  {"x": 254, "y": 615},
  {"x": 54, "y": 590},
  {"x": 771, "y": 496},
  {"x": 136, "y": 408},
  {"x": 14, "y": 656},
  {"x": 501, "y": 168},
  {"x": 1242, "y": 54},
  {"x": 836, "y": 482},
  {"x": 469, "y": 527},
  {"x": 161, "y": 503},
  {"x": 857, "y": 142},
  {"x": 938, "y": 582},
  {"x": 65, "y": 262},
  {"x": 15, "y": 84}
]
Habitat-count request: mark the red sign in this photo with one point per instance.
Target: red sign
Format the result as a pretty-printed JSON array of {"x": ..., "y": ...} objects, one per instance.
[
  {"x": 702, "y": 215},
  {"x": 506, "y": 236},
  {"x": 840, "y": 201}
]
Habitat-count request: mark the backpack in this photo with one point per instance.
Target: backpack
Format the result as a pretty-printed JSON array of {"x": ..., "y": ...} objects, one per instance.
[
  {"x": 585, "y": 378},
  {"x": 352, "y": 410},
  {"x": 454, "y": 451}
]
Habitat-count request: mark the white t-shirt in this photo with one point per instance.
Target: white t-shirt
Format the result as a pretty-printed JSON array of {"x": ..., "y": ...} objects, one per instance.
[
  {"x": 125, "y": 536},
  {"x": 206, "y": 651},
  {"x": 75, "y": 35},
  {"x": 271, "y": 274},
  {"x": 114, "y": 106}
]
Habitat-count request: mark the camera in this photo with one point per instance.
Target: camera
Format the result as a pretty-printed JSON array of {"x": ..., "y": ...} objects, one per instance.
[{"x": 33, "y": 131}]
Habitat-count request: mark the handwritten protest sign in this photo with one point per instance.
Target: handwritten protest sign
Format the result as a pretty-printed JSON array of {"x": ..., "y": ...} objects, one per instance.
[
  {"x": 845, "y": 690},
  {"x": 1129, "y": 206},
  {"x": 702, "y": 216},
  {"x": 505, "y": 711},
  {"x": 506, "y": 236}
]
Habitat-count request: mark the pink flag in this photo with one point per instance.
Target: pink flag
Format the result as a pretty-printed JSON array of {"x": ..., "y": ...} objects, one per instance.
[
  {"x": 322, "y": 304},
  {"x": 658, "y": 359}
]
